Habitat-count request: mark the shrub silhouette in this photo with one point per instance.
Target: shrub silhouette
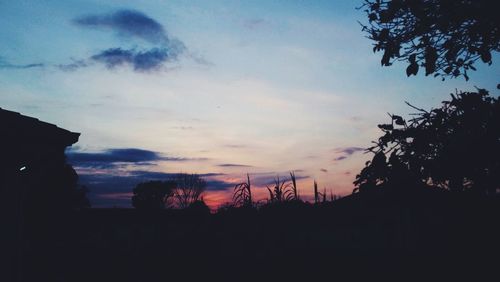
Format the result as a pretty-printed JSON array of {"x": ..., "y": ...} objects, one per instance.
[
  {"x": 455, "y": 147},
  {"x": 445, "y": 37},
  {"x": 152, "y": 194}
]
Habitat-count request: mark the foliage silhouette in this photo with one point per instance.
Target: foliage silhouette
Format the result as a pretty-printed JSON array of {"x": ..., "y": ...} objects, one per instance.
[
  {"x": 281, "y": 192},
  {"x": 316, "y": 193},
  {"x": 445, "y": 37},
  {"x": 242, "y": 196},
  {"x": 455, "y": 147},
  {"x": 188, "y": 189},
  {"x": 295, "y": 190},
  {"x": 152, "y": 194}
]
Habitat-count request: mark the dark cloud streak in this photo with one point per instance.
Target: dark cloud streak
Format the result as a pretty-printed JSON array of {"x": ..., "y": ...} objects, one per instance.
[
  {"x": 152, "y": 59},
  {"x": 349, "y": 150},
  {"x": 234, "y": 165},
  {"x": 6, "y": 65},
  {"x": 112, "y": 158},
  {"x": 129, "y": 23}
]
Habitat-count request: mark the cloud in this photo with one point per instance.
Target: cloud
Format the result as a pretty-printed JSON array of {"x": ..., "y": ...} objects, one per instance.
[
  {"x": 76, "y": 64},
  {"x": 268, "y": 178},
  {"x": 183, "y": 127},
  {"x": 155, "y": 175},
  {"x": 127, "y": 23},
  {"x": 254, "y": 23},
  {"x": 7, "y": 65},
  {"x": 213, "y": 184},
  {"x": 111, "y": 158},
  {"x": 234, "y": 165},
  {"x": 349, "y": 150},
  {"x": 235, "y": 146},
  {"x": 219, "y": 185},
  {"x": 132, "y": 24},
  {"x": 149, "y": 60},
  {"x": 324, "y": 170}
]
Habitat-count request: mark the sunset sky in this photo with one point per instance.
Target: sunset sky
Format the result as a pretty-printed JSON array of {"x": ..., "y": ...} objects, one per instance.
[{"x": 218, "y": 88}]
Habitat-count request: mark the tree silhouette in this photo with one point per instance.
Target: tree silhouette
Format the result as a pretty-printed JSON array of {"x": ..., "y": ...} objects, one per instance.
[
  {"x": 152, "y": 194},
  {"x": 188, "y": 190},
  {"x": 445, "y": 37},
  {"x": 456, "y": 147}
]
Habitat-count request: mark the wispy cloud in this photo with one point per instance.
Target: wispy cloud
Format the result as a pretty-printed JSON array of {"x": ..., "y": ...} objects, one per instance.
[
  {"x": 349, "y": 150},
  {"x": 340, "y": 158},
  {"x": 254, "y": 23},
  {"x": 234, "y": 165},
  {"x": 268, "y": 178},
  {"x": 235, "y": 146},
  {"x": 346, "y": 152},
  {"x": 76, "y": 64},
  {"x": 7, "y": 65}
]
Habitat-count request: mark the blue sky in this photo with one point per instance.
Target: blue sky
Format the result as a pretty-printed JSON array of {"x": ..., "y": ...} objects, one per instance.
[{"x": 219, "y": 88}]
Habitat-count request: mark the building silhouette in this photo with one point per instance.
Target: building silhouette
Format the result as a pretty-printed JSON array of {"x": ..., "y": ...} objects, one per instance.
[{"x": 33, "y": 172}]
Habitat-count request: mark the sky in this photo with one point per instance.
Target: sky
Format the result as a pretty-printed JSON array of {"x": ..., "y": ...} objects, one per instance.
[{"x": 217, "y": 88}]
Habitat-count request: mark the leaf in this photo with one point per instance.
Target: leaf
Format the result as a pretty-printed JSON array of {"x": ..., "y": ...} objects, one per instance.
[
  {"x": 384, "y": 34},
  {"x": 430, "y": 60},
  {"x": 412, "y": 69},
  {"x": 412, "y": 58},
  {"x": 398, "y": 120},
  {"x": 485, "y": 56},
  {"x": 385, "y": 58},
  {"x": 386, "y": 126}
]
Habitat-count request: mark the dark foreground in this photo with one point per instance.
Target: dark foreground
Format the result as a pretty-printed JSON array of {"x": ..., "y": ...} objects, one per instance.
[{"x": 426, "y": 235}]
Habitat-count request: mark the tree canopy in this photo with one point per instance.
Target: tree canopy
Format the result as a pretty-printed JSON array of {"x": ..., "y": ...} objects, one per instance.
[
  {"x": 445, "y": 37},
  {"x": 456, "y": 147}
]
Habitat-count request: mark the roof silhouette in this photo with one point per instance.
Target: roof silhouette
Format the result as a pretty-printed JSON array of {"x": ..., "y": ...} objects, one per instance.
[{"x": 16, "y": 127}]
